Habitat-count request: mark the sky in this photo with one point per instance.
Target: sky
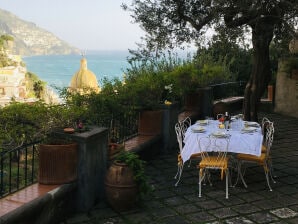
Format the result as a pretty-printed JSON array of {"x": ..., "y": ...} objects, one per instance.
[{"x": 87, "y": 25}]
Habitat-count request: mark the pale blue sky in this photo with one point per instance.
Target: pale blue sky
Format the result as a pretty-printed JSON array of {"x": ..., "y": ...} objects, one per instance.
[{"x": 87, "y": 25}]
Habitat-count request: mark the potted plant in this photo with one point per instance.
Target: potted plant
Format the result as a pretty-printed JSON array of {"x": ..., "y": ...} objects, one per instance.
[
  {"x": 126, "y": 181},
  {"x": 57, "y": 162},
  {"x": 144, "y": 92},
  {"x": 58, "y": 156}
]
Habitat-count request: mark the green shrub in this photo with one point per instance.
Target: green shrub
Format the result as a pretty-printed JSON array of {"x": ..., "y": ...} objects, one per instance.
[{"x": 23, "y": 123}]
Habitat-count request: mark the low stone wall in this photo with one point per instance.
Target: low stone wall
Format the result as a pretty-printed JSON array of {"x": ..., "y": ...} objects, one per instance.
[
  {"x": 50, "y": 208},
  {"x": 230, "y": 105}
]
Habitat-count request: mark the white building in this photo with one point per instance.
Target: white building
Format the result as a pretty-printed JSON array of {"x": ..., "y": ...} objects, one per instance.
[{"x": 12, "y": 83}]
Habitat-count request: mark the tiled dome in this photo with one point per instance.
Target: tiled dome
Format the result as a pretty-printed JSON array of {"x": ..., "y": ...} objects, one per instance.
[{"x": 84, "y": 79}]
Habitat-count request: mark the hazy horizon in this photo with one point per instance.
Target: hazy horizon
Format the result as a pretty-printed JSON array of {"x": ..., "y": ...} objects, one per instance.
[{"x": 92, "y": 25}]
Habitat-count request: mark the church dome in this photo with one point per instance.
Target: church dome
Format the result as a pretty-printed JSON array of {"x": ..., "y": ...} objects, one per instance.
[{"x": 84, "y": 79}]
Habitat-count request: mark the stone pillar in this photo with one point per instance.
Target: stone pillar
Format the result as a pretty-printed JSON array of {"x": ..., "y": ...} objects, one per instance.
[
  {"x": 170, "y": 114},
  {"x": 92, "y": 165},
  {"x": 206, "y": 102}
]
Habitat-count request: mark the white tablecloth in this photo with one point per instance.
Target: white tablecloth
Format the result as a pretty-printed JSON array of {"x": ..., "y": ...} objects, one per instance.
[{"x": 248, "y": 143}]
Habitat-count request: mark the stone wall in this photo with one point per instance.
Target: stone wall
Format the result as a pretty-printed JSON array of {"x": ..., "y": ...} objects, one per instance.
[{"x": 286, "y": 92}]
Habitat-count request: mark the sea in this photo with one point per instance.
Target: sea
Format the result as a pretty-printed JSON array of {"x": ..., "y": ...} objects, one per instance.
[{"x": 57, "y": 70}]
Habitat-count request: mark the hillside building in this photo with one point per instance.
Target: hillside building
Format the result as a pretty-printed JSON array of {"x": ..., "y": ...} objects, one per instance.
[{"x": 12, "y": 84}]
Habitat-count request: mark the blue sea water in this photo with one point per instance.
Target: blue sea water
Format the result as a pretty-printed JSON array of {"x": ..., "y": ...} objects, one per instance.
[{"x": 57, "y": 70}]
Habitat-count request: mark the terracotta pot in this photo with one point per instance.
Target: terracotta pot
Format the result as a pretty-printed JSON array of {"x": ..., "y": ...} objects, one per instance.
[
  {"x": 150, "y": 122},
  {"x": 57, "y": 163},
  {"x": 120, "y": 186}
]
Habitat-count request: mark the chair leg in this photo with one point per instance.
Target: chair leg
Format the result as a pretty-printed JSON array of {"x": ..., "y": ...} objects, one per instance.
[
  {"x": 271, "y": 170},
  {"x": 179, "y": 173},
  {"x": 178, "y": 170},
  {"x": 207, "y": 176},
  {"x": 267, "y": 171},
  {"x": 201, "y": 178},
  {"x": 227, "y": 183},
  {"x": 189, "y": 164},
  {"x": 230, "y": 178},
  {"x": 240, "y": 174}
]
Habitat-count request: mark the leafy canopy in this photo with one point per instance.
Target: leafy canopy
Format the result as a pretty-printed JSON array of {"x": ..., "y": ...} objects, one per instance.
[{"x": 172, "y": 23}]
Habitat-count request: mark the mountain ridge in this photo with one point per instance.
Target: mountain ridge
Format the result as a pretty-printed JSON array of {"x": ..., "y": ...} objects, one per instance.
[{"x": 29, "y": 39}]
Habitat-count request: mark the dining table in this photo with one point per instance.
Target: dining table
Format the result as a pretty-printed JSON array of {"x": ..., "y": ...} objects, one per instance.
[{"x": 244, "y": 137}]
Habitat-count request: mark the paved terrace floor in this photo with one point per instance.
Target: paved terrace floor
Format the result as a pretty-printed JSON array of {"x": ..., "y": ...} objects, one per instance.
[{"x": 256, "y": 204}]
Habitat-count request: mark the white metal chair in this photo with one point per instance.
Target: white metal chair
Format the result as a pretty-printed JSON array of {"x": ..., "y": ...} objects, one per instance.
[
  {"x": 265, "y": 122},
  {"x": 186, "y": 123},
  {"x": 214, "y": 157},
  {"x": 180, "y": 129},
  {"x": 263, "y": 160}
]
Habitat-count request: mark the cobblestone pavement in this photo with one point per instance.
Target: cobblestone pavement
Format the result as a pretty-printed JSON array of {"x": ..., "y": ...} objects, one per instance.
[{"x": 181, "y": 205}]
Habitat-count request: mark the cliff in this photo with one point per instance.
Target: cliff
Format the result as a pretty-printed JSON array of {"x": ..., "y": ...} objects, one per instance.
[{"x": 30, "y": 39}]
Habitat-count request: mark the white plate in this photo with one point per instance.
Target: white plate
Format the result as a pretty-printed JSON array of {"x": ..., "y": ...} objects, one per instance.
[
  {"x": 251, "y": 123},
  {"x": 202, "y": 122},
  {"x": 197, "y": 129},
  {"x": 219, "y": 134},
  {"x": 248, "y": 129}
]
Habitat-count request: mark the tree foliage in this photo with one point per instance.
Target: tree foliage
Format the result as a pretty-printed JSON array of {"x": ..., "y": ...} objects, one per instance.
[
  {"x": 23, "y": 123},
  {"x": 4, "y": 60},
  {"x": 4, "y": 39},
  {"x": 171, "y": 23}
]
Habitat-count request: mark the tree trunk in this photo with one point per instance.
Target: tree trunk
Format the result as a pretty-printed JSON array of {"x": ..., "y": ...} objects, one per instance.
[{"x": 262, "y": 33}]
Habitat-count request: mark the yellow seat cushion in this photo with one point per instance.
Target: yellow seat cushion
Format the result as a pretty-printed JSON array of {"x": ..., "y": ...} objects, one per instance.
[
  {"x": 264, "y": 148},
  {"x": 259, "y": 159},
  {"x": 214, "y": 161},
  {"x": 196, "y": 155}
]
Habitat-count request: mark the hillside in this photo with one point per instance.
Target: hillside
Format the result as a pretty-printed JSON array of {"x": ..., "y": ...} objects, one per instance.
[{"x": 30, "y": 39}]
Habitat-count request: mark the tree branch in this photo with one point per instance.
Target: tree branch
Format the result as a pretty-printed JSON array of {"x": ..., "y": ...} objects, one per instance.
[
  {"x": 197, "y": 25},
  {"x": 232, "y": 21}
]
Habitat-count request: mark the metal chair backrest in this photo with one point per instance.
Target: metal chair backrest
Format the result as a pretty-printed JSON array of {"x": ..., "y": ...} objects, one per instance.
[
  {"x": 214, "y": 147},
  {"x": 187, "y": 121},
  {"x": 180, "y": 129},
  {"x": 185, "y": 124},
  {"x": 264, "y": 123},
  {"x": 268, "y": 138},
  {"x": 179, "y": 134}
]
